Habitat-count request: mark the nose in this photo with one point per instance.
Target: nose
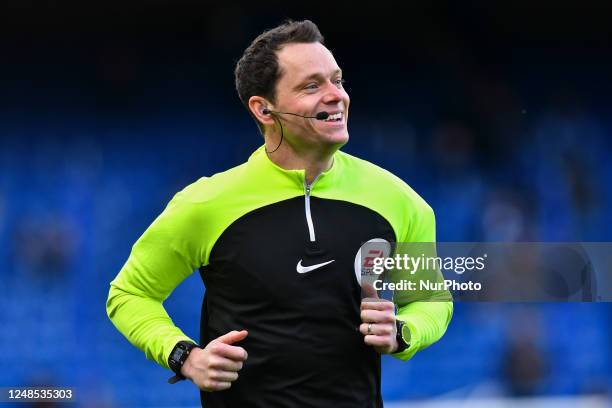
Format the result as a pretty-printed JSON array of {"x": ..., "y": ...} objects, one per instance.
[{"x": 333, "y": 94}]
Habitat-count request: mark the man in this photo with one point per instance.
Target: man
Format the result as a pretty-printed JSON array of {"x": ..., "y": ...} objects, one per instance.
[{"x": 283, "y": 323}]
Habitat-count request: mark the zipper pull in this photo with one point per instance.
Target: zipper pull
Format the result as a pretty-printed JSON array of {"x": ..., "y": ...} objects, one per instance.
[{"x": 307, "y": 188}]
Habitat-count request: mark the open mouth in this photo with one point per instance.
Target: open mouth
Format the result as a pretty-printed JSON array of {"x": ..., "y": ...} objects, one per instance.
[{"x": 336, "y": 117}]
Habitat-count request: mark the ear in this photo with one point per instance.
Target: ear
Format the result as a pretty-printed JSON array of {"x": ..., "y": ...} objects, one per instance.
[{"x": 257, "y": 104}]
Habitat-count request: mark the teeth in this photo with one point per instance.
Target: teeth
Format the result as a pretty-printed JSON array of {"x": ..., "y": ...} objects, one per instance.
[{"x": 333, "y": 117}]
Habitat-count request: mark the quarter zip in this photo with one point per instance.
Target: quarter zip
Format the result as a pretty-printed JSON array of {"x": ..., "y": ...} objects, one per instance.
[{"x": 307, "y": 190}]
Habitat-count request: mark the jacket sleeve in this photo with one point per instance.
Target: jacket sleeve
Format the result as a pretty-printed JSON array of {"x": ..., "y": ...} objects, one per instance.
[
  {"x": 428, "y": 317},
  {"x": 162, "y": 258}
]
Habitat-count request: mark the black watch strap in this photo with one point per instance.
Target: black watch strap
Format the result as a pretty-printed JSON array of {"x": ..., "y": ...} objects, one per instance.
[
  {"x": 177, "y": 358},
  {"x": 402, "y": 344}
]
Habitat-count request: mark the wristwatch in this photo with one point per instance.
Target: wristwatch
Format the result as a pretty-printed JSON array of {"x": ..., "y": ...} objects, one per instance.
[
  {"x": 177, "y": 358},
  {"x": 403, "y": 336}
]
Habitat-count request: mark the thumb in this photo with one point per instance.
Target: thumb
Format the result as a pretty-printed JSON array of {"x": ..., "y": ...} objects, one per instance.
[
  {"x": 368, "y": 290},
  {"x": 233, "y": 337}
]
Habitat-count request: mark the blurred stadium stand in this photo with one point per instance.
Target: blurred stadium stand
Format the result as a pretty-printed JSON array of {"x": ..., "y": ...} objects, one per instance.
[{"x": 507, "y": 137}]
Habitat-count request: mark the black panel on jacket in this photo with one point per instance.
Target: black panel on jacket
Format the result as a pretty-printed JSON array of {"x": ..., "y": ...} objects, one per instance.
[{"x": 304, "y": 346}]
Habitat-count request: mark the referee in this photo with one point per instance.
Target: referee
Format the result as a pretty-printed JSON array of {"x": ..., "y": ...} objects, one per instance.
[{"x": 283, "y": 322}]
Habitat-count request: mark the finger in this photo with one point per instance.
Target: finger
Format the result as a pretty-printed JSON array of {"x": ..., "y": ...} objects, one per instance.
[
  {"x": 233, "y": 336},
  {"x": 377, "y": 316},
  {"x": 380, "y": 329},
  {"x": 232, "y": 352},
  {"x": 378, "y": 341},
  {"x": 377, "y": 304},
  {"x": 368, "y": 290},
  {"x": 225, "y": 364},
  {"x": 211, "y": 385},
  {"x": 223, "y": 376}
]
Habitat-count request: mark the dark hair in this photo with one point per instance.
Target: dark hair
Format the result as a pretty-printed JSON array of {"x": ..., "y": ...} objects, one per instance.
[{"x": 257, "y": 72}]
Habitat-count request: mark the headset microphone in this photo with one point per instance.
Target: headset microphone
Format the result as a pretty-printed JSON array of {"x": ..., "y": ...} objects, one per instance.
[{"x": 319, "y": 116}]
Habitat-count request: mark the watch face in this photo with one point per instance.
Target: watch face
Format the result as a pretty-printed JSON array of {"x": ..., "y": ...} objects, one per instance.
[
  {"x": 406, "y": 334},
  {"x": 179, "y": 353}
]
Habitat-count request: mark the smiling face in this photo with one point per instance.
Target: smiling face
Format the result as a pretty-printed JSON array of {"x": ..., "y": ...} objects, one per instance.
[{"x": 311, "y": 82}]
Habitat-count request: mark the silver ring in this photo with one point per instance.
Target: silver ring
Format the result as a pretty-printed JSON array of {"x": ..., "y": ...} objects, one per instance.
[{"x": 369, "y": 328}]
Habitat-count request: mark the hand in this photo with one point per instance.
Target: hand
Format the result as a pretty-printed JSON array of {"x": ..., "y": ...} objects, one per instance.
[
  {"x": 216, "y": 366},
  {"x": 378, "y": 317}
]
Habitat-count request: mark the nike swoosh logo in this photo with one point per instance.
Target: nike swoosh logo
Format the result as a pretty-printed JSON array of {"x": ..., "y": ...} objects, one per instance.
[{"x": 305, "y": 269}]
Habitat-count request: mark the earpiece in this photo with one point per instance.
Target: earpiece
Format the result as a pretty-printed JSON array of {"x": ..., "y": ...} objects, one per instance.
[{"x": 266, "y": 111}]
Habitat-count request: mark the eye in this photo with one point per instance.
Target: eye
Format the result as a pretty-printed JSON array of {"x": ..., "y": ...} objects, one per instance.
[
  {"x": 311, "y": 87},
  {"x": 339, "y": 82}
]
